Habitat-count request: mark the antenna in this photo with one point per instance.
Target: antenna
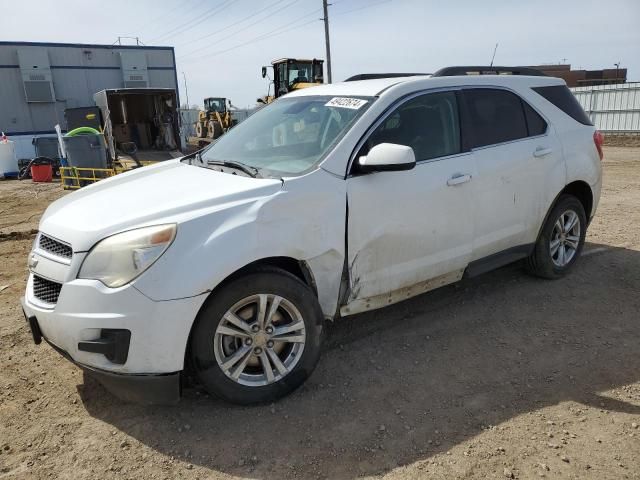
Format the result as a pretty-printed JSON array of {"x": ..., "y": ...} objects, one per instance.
[{"x": 494, "y": 55}]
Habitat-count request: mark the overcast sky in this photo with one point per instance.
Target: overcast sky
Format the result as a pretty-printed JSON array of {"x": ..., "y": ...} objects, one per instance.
[{"x": 220, "y": 50}]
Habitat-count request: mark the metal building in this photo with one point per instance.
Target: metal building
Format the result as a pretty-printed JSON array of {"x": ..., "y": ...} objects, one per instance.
[
  {"x": 584, "y": 78},
  {"x": 38, "y": 81}
]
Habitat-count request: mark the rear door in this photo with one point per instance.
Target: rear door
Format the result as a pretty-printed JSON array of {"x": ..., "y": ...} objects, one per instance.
[
  {"x": 515, "y": 151},
  {"x": 411, "y": 226}
]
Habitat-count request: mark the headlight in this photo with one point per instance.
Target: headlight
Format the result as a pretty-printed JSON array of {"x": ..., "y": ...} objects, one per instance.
[{"x": 118, "y": 259}]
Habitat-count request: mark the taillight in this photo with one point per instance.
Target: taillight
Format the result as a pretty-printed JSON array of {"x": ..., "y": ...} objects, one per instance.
[{"x": 598, "y": 139}]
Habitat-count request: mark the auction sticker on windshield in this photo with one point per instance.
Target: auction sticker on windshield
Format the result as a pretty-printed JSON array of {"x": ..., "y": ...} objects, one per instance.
[{"x": 344, "y": 102}]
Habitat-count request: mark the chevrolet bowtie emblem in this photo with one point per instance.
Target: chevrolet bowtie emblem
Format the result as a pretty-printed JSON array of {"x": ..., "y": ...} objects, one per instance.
[{"x": 33, "y": 261}]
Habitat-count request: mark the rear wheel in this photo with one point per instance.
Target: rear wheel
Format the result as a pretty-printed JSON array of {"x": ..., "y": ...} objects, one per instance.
[
  {"x": 257, "y": 338},
  {"x": 561, "y": 240}
]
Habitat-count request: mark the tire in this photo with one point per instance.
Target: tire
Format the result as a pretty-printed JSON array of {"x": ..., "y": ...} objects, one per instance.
[
  {"x": 228, "y": 357},
  {"x": 201, "y": 130},
  {"x": 214, "y": 129},
  {"x": 542, "y": 262}
]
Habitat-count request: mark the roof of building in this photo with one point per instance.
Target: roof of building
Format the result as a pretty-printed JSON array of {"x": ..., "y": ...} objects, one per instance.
[{"x": 84, "y": 45}]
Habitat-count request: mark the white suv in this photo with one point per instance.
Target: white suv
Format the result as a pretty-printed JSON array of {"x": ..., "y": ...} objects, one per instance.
[{"x": 333, "y": 200}]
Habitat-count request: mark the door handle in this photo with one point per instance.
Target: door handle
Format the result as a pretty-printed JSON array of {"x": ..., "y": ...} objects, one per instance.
[
  {"x": 458, "y": 179},
  {"x": 541, "y": 152}
]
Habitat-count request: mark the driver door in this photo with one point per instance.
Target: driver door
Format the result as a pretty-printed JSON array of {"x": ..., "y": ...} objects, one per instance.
[{"x": 411, "y": 231}]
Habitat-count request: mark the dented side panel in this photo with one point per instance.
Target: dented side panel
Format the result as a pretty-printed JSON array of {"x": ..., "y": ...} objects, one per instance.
[
  {"x": 303, "y": 220},
  {"x": 379, "y": 301},
  {"x": 307, "y": 222},
  {"x": 408, "y": 227}
]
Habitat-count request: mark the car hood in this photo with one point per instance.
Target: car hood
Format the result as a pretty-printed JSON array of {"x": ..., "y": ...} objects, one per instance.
[{"x": 165, "y": 192}]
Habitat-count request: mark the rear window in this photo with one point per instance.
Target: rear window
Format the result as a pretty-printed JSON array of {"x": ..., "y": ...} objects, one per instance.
[
  {"x": 562, "y": 98},
  {"x": 496, "y": 115}
]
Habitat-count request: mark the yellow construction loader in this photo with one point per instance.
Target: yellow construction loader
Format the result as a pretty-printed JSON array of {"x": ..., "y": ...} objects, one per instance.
[
  {"x": 215, "y": 119},
  {"x": 291, "y": 74}
]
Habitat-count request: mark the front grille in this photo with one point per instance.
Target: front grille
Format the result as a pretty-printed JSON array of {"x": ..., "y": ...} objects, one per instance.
[
  {"x": 54, "y": 246},
  {"x": 46, "y": 290}
]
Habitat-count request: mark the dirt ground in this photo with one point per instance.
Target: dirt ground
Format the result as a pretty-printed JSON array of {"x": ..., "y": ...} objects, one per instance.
[{"x": 501, "y": 376}]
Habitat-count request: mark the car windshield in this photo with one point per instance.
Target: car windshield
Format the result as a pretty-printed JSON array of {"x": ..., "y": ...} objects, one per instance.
[{"x": 289, "y": 136}]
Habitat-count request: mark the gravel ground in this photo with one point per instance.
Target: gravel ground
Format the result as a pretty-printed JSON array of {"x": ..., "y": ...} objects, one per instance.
[{"x": 501, "y": 376}]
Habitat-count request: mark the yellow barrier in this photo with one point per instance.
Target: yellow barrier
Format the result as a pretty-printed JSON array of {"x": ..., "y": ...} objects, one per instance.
[{"x": 72, "y": 178}]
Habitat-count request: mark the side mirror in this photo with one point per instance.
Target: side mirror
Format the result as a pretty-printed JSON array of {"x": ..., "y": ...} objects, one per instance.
[
  {"x": 386, "y": 157},
  {"x": 264, "y": 72}
]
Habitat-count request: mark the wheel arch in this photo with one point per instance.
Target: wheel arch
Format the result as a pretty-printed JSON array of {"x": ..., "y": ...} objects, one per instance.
[
  {"x": 298, "y": 268},
  {"x": 579, "y": 189},
  {"x": 582, "y": 191}
]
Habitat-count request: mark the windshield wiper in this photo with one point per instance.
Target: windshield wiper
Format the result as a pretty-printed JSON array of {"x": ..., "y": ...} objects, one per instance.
[
  {"x": 249, "y": 170},
  {"x": 196, "y": 156}
]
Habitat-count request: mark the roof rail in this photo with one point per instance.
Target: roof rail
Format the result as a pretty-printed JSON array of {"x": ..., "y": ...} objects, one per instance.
[
  {"x": 488, "y": 70},
  {"x": 372, "y": 76}
]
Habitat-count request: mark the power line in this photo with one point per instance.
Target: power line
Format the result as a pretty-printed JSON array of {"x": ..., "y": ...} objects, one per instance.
[
  {"x": 192, "y": 23},
  {"x": 159, "y": 17},
  {"x": 273, "y": 33},
  {"x": 263, "y": 37},
  {"x": 288, "y": 24},
  {"x": 246, "y": 27},
  {"x": 361, "y": 8},
  {"x": 217, "y": 32},
  {"x": 200, "y": 18}
]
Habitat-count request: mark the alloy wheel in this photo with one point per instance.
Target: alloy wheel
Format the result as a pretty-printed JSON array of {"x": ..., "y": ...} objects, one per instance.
[
  {"x": 565, "y": 238},
  {"x": 259, "y": 340}
]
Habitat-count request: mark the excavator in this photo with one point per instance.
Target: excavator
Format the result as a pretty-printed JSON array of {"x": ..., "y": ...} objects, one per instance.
[
  {"x": 291, "y": 74},
  {"x": 215, "y": 119}
]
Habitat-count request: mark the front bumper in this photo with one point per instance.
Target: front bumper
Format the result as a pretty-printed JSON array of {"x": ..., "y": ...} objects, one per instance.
[
  {"x": 159, "y": 331},
  {"x": 133, "y": 345},
  {"x": 145, "y": 389}
]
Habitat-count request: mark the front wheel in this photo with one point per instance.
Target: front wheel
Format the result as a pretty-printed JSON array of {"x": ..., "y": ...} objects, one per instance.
[
  {"x": 257, "y": 338},
  {"x": 214, "y": 129},
  {"x": 561, "y": 239}
]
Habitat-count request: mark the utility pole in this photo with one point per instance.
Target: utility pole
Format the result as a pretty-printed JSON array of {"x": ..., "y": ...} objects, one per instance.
[{"x": 325, "y": 6}]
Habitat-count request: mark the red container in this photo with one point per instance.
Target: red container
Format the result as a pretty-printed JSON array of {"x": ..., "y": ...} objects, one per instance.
[{"x": 41, "y": 173}]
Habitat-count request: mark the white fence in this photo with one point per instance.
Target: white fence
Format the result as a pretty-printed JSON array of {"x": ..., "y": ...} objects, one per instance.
[
  {"x": 612, "y": 108},
  {"x": 188, "y": 119}
]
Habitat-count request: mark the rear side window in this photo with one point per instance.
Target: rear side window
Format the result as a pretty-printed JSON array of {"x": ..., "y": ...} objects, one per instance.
[
  {"x": 535, "y": 123},
  {"x": 496, "y": 116},
  {"x": 562, "y": 98}
]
